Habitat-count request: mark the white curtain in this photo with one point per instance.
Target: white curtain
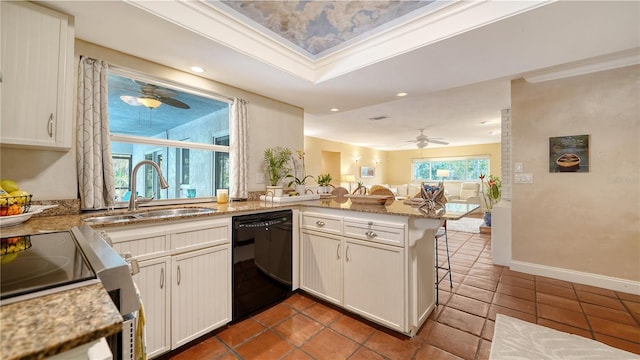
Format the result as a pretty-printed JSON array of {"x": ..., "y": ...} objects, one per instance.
[
  {"x": 238, "y": 176},
  {"x": 94, "y": 163}
]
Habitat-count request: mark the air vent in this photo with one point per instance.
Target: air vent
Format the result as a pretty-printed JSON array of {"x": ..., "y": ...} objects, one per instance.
[{"x": 378, "y": 118}]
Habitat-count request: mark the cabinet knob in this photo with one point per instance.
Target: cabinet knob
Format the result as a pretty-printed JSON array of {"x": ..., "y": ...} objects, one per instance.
[
  {"x": 320, "y": 223},
  {"x": 370, "y": 234}
]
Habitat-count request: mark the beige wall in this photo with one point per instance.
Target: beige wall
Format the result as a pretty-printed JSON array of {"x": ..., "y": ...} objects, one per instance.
[
  {"x": 399, "y": 162},
  {"x": 587, "y": 222},
  {"x": 52, "y": 175},
  {"x": 394, "y": 166},
  {"x": 314, "y": 146}
]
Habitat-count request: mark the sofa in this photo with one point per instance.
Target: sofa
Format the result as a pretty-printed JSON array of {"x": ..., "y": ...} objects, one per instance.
[
  {"x": 456, "y": 192},
  {"x": 469, "y": 194}
]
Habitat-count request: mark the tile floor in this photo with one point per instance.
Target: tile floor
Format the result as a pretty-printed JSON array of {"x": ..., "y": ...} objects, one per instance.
[{"x": 302, "y": 327}]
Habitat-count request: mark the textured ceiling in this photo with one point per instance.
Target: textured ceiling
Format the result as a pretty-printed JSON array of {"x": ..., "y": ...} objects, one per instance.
[{"x": 319, "y": 26}]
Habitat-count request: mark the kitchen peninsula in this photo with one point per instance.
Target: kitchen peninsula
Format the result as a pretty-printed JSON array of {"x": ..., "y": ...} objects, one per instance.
[{"x": 391, "y": 243}]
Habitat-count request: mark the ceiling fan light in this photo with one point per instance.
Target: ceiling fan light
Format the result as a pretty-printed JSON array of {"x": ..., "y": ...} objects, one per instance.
[
  {"x": 151, "y": 103},
  {"x": 130, "y": 100}
]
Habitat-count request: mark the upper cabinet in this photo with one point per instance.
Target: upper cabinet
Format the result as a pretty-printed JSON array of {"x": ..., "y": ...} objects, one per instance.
[{"x": 36, "y": 77}]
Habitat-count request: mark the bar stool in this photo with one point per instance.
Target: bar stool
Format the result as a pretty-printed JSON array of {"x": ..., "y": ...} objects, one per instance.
[{"x": 442, "y": 231}]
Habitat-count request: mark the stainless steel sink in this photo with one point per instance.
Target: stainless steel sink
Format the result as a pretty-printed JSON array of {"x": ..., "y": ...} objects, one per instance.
[
  {"x": 174, "y": 212},
  {"x": 166, "y": 213},
  {"x": 110, "y": 218}
]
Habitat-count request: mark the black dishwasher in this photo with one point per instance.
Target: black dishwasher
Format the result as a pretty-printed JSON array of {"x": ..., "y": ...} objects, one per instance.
[{"x": 262, "y": 263}]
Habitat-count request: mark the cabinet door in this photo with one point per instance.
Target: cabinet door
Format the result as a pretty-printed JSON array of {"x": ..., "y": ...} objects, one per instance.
[
  {"x": 153, "y": 283},
  {"x": 321, "y": 265},
  {"x": 37, "y": 53},
  {"x": 201, "y": 293},
  {"x": 374, "y": 282}
]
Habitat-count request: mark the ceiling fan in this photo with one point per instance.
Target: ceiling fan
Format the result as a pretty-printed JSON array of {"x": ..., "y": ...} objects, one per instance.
[
  {"x": 152, "y": 96},
  {"x": 423, "y": 140}
]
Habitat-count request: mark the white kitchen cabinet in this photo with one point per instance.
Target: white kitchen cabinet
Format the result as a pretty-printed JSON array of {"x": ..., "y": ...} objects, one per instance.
[
  {"x": 374, "y": 282},
  {"x": 200, "y": 294},
  {"x": 321, "y": 265},
  {"x": 152, "y": 281},
  {"x": 36, "y": 60},
  {"x": 184, "y": 279},
  {"x": 357, "y": 269}
]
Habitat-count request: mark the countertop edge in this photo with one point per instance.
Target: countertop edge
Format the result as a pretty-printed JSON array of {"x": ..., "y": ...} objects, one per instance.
[{"x": 81, "y": 315}]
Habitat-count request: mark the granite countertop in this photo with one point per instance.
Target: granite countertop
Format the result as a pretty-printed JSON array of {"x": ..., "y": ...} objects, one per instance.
[
  {"x": 51, "y": 324},
  {"x": 44, "y": 224},
  {"x": 81, "y": 315}
]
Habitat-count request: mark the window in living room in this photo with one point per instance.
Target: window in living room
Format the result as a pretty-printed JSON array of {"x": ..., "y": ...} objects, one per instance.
[{"x": 460, "y": 168}]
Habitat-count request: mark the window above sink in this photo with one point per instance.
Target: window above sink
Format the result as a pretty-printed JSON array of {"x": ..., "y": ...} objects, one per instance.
[{"x": 184, "y": 130}]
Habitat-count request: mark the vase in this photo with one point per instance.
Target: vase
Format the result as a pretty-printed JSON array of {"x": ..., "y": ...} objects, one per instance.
[
  {"x": 301, "y": 189},
  {"x": 487, "y": 218},
  {"x": 275, "y": 191}
]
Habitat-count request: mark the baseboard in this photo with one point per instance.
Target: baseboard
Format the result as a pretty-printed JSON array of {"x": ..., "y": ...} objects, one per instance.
[{"x": 602, "y": 281}]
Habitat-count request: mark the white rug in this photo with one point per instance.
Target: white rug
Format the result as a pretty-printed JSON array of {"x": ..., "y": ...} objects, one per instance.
[
  {"x": 466, "y": 224},
  {"x": 514, "y": 339}
]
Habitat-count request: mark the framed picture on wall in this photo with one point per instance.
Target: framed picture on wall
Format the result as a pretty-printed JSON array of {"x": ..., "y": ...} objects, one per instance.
[
  {"x": 569, "y": 153},
  {"x": 367, "y": 172}
]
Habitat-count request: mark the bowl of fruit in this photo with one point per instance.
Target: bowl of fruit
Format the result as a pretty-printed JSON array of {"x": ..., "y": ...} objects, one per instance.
[{"x": 14, "y": 204}]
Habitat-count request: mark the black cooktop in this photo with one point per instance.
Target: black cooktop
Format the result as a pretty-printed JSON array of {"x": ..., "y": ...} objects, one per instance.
[{"x": 35, "y": 263}]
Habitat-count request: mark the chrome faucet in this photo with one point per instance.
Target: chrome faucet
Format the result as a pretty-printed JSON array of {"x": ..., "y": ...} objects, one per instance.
[{"x": 133, "y": 199}]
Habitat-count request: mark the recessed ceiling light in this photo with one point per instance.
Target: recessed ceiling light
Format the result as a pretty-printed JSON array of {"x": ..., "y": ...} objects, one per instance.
[
  {"x": 335, "y": 109},
  {"x": 492, "y": 132},
  {"x": 401, "y": 94},
  {"x": 484, "y": 122},
  {"x": 197, "y": 69}
]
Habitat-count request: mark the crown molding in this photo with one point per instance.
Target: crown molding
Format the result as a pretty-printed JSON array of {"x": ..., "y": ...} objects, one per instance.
[
  {"x": 600, "y": 63},
  {"x": 436, "y": 23}
]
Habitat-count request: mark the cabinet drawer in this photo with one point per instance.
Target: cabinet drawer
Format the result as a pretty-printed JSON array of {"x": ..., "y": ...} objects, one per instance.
[
  {"x": 376, "y": 231},
  {"x": 209, "y": 234},
  {"x": 140, "y": 247},
  {"x": 325, "y": 223}
]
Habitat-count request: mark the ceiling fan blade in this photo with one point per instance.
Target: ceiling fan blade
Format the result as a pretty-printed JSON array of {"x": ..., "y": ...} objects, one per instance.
[
  {"x": 441, "y": 142},
  {"x": 173, "y": 102}
]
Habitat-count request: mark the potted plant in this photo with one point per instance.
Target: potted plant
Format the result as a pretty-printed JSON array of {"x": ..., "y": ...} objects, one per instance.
[
  {"x": 276, "y": 165},
  {"x": 323, "y": 183},
  {"x": 491, "y": 193},
  {"x": 300, "y": 182}
]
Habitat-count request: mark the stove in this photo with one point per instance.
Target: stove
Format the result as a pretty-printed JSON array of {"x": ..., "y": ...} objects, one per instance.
[
  {"x": 41, "y": 264},
  {"x": 36, "y": 265}
]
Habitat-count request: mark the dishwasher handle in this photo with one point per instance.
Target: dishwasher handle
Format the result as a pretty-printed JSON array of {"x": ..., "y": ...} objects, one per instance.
[{"x": 262, "y": 223}]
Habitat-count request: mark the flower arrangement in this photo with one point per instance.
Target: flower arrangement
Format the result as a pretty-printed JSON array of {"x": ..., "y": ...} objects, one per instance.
[
  {"x": 493, "y": 191},
  {"x": 276, "y": 160},
  {"x": 298, "y": 180}
]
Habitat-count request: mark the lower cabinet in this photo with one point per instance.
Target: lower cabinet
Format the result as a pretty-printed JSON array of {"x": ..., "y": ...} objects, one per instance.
[
  {"x": 321, "y": 265},
  {"x": 200, "y": 281},
  {"x": 374, "y": 282},
  {"x": 365, "y": 277},
  {"x": 152, "y": 281},
  {"x": 184, "y": 278}
]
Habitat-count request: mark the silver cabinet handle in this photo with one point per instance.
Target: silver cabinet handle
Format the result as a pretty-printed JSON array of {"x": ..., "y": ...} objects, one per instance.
[
  {"x": 320, "y": 223},
  {"x": 338, "y": 251},
  {"x": 178, "y": 274},
  {"x": 161, "y": 278},
  {"x": 370, "y": 234},
  {"x": 50, "y": 125},
  {"x": 347, "y": 254}
]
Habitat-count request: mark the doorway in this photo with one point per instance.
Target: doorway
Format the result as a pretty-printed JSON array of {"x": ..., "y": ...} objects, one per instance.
[{"x": 331, "y": 165}]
